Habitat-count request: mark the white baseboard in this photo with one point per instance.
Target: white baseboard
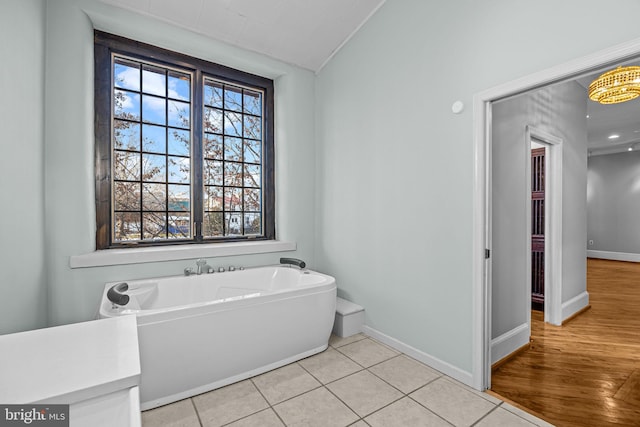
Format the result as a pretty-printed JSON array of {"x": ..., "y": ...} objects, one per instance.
[
  {"x": 433, "y": 362},
  {"x": 509, "y": 342},
  {"x": 574, "y": 305},
  {"x": 615, "y": 256}
]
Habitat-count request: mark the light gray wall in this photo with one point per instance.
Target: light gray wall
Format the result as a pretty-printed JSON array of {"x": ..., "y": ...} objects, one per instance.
[
  {"x": 559, "y": 110},
  {"x": 22, "y": 258},
  {"x": 70, "y": 208},
  {"x": 613, "y": 202},
  {"x": 395, "y": 172}
]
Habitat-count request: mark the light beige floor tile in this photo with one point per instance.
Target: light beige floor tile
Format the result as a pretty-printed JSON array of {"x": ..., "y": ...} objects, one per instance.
[
  {"x": 229, "y": 403},
  {"x": 316, "y": 408},
  {"x": 405, "y": 413},
  {"x": 405, "y": 373},
  {"x": 503, "y": 418},
  {"x": 527, "y": 416},
  {"x": 266, "y": 418},
  {"x": 178, "y": 414},
  {"x": 485, "y": 396},
  {"x": 329, "y": 365},
  {"x": 364, "y": 393},
  {"x": 376, "y": 393},
  {"x": 284, "y": 383},
  {"x": 336, "y": 341},
  {"x": 452, "y": 402},
  {"x": 367, "y": 352}
]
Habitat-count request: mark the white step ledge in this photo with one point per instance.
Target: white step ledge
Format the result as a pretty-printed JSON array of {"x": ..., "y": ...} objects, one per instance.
[{"x": 174, "y": 253}]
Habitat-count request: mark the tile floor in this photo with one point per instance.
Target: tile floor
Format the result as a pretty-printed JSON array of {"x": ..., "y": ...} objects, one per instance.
[{"x": 356, "y": 382}]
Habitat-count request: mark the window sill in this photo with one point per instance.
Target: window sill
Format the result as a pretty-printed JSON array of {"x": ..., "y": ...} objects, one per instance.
[{"x": 173, "y": 253}]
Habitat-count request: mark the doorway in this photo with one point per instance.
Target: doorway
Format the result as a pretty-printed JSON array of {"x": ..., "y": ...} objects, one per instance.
[
  {"x": 538, "y": 175},
  {"x": 482, "y": 261},
  {"x": 546, "y": 219}
]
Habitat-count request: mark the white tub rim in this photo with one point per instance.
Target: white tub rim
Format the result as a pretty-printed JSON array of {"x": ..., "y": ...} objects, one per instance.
[{"x": 106, "y": 307}]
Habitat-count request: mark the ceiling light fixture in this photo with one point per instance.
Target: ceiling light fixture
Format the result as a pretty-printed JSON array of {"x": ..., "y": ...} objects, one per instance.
[
  {"x": 613, "y": 136},
  {"x": 619, "y": 85}
]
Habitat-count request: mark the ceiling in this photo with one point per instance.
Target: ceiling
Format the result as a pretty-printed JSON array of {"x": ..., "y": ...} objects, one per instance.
[{"x": 305, "y": 33}]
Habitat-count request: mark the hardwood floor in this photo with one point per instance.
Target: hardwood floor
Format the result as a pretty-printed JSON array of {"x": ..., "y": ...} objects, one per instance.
[{"x": 586, "y": 372}]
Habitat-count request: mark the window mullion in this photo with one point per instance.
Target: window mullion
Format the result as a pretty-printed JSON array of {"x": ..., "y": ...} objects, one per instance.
[
  {"x": 224, "y": 163},
  {"x": 141, "y": 160},
  {"x": 242, "y": 189},
  {"x": 197, "y": 154},
  {"x": 167, "y": 206}
]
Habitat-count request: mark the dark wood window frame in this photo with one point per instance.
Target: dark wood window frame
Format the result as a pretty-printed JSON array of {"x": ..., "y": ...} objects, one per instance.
[{"x": 105, "y": 45}]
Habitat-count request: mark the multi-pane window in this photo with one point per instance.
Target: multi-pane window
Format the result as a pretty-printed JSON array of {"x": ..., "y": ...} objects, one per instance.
[
  {"x": 184, "y": 148},
  {"x": 232, "y": 160},
  {"x": 151, "y": 152}
]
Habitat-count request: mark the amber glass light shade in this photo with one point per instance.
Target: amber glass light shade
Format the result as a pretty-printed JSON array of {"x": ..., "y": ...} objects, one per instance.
[{"x": 619, "y": 85}]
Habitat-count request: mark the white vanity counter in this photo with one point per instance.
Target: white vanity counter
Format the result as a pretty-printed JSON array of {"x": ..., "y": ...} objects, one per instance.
[{"x": 86, "y": 365}]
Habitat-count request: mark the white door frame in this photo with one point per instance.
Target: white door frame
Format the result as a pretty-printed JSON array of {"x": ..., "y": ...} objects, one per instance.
[
  {"x": 552, "y": 226},
  {"x": 481, "y": 198}
]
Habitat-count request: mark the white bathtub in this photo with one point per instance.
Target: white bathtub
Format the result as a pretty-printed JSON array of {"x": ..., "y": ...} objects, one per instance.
[{"x": 202, "y": 332}]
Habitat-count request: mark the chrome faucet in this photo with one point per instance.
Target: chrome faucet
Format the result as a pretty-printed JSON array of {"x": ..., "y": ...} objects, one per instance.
[{"x": 203, "y": 267}]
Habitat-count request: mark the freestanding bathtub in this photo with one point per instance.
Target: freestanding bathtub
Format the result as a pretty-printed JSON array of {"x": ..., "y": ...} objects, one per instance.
[{"x": 201, "y": 332}]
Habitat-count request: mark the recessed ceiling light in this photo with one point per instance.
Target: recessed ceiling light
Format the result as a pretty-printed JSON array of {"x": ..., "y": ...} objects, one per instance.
[
  {"x": 630, "y": 149},
  {"x": 614, "y": 136}
]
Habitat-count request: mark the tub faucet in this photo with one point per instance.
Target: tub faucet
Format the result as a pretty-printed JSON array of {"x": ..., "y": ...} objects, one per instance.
[
  {"x": 203, "y": 267},
  {"x": 293, "y": 261}
]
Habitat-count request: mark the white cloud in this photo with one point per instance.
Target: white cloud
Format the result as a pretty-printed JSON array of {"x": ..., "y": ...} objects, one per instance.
[
  {"x": 128, "y": 78},
  {"x": 153, "y": 83}
]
